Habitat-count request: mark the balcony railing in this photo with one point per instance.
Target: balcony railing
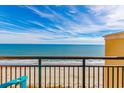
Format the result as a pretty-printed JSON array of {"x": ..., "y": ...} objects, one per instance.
[{"x": 71, "y": 75}]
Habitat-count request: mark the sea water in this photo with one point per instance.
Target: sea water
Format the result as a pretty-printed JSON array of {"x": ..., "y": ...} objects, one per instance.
[{"x": 49, "y": 50}]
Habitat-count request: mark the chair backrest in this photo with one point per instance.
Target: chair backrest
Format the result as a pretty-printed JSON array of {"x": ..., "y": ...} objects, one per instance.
[{"x": 21, "y": 80}]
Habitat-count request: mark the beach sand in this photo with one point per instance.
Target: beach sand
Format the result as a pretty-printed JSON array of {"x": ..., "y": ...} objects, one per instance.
[
  {"x": 59, "y": 76},
  {"x": 56, "y": 78}
]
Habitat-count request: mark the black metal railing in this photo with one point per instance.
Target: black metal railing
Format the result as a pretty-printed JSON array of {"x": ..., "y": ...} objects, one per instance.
[{"x": 65, "y": 75}]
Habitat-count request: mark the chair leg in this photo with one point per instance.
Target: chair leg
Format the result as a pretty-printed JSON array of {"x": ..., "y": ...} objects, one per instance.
[{"x": 24, "y": 84}]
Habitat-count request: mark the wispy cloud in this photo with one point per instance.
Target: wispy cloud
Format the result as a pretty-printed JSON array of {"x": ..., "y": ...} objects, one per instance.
[
  {"x": 38, "y": 12},
  {"x": 59, "y": 24},
  {"x": 111, "y": 16}
]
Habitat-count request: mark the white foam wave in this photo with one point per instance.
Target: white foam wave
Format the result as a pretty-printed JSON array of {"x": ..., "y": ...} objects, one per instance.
[{"x": 51, "y": 62}]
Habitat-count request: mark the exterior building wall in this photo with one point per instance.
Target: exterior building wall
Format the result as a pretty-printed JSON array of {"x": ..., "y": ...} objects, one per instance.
[{"x": 114, "y": 47}]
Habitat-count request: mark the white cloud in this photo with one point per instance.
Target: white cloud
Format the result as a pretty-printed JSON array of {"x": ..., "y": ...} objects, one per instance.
[
  {"x": 55, "y": 36},
  {"x": 37, "y": 23},
  {"x": 39, "y": 12},
  {"x": 24, "y": 35},
  {"x": 82, "y": 40},
  {"x": 10, "y": 24},
  {"x": 72, "y": 12},
  {"x": 111, "y": 17},
  {"x": 39, "y": 38},
  {"x": 83, "y": 25},
  {"x": 17, "y": 38},
  {"x": 101, "y": 9}
]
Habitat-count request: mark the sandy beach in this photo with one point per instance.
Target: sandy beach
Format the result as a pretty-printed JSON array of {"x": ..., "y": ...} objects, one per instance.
[{"x": 54, "y": 76}]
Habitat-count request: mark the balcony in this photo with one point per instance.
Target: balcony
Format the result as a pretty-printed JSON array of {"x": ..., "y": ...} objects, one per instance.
[{"x": 44, "y": 74}]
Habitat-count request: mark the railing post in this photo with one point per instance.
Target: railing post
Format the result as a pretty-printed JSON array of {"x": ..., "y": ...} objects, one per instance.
[
  {"x": 39, "y": 72},
  {"x": 83, "y": 63}
]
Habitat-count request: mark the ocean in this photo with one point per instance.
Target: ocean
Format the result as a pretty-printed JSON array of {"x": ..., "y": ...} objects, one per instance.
[{"x": 49, "y": 50}]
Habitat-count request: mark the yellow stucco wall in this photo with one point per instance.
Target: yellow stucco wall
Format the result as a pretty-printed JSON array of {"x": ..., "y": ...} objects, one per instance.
[{"x": 114, "y": 47}]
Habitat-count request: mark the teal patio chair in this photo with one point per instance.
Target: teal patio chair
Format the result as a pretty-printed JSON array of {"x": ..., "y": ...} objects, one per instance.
[{"x": 21, "y": 80}]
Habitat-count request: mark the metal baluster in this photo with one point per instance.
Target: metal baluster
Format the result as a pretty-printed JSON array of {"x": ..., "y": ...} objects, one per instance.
[
  {"x": 64, "y": 76},
  {"x": 117, "y": 77},
  {"x": 73, "y": 76},
  {"x": 112, "y": 77},
  {"x": 11, "y": 74},
  {"x": 54, "y": 77},
  {"x": 20, "y": 75},
  {"x": 29, "y": 77},
  {"x": 83, "y": 73},
  {"x": 108, "y": 77},
  {"x": 103, "y": 76},
  {"x": 25, "y": 71},
  {"x": 15, "y": 75},
  {"x": 68, "y": 77},
  {"x": 39, "y": 72},
  {"x": 59, "y": 77},
  {"x": 98, "y": 78},
  {"x": 6, "y": 73},
  {"x": 34, "y": 77},
  {"x": 93, "y": 76},
  {"x": 50, "y": 77},
  {"x": 89, "y": 77},
  {"x": 1, "y": 74},
  {"x": 45, "y": 77},
  {"x": 122, "y": 76},
  {"x": 78, "y": 78}
]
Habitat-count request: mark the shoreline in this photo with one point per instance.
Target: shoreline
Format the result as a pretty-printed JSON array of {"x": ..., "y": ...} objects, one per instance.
[{"x": 51, "y": 62}]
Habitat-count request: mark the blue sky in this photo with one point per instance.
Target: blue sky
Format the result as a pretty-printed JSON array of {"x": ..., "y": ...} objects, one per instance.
[{"x": 59, "y": 24}]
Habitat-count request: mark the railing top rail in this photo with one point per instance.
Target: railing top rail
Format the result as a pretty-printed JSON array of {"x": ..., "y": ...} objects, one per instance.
[{"x": 60, "y": 57}]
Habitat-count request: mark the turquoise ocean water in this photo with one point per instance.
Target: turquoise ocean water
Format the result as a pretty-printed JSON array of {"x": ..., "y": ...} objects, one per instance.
[{"x": 50, "y": 50}]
